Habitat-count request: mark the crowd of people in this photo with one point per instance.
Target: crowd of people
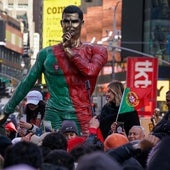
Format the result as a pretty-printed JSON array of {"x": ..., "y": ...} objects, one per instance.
[
  {"x": 63, "y": 133},
  {"x": 66, "y": 149}
]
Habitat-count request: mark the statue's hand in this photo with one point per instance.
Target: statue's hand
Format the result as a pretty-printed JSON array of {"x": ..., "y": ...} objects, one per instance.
[{"x": 67, "y": 39}]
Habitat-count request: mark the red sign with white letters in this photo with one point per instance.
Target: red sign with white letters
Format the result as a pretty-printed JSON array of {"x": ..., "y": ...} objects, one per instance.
[{"x": 142, "y": 74}]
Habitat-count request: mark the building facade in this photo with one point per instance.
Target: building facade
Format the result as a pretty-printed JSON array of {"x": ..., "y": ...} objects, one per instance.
[
  {"x": 11, "y": 48},
  {"x": 146, "y": 28},
  {"x": 19, "y": 26}
]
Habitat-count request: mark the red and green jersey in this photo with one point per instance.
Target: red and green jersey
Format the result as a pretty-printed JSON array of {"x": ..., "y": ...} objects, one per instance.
[{"x": 65, "y": 79}]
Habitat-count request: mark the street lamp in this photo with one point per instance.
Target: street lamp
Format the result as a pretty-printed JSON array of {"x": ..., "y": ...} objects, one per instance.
[
  {"x": 114, "y": 19},
  {"x": 24, "y": 69},
  {"x": 115, "y": 37},
  {"x": 22, "y": 64}
]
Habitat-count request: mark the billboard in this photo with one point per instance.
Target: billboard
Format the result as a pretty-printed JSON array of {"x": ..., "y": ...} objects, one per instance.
[
  {"x": 52, "y": 11},
  {"x": 162, "y": 87},
  {"x": 142, "y": 76}
]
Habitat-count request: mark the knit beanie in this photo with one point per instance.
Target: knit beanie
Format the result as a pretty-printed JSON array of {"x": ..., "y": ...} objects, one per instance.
[
  {"x": 10, "y": 126},
  {"x": 114, "y": 140},
  {"x": 68, "y": 126}
]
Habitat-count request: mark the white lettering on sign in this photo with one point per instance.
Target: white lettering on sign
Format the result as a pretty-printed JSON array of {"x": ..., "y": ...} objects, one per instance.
[{"x": 142, "y": 77}]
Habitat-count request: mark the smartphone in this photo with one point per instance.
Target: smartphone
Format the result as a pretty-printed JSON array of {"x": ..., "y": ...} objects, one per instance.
[
  {"x": 120, "y": 127},
  {"x": 23, "y": 118},
  {"x": 47, "y": 126},
  {"x": 39, "y": 131}
]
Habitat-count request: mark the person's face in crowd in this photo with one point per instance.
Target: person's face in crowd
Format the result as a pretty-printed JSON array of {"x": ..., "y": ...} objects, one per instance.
[
  {"x": 110, "y": 96},
  {"x": 135, "y": 133},
  {"x": 32, "y": 106},
  {"x": 70, "y": 135},
  {"x": 71, "y": 23},
  {"x": 168, "y": 100}
]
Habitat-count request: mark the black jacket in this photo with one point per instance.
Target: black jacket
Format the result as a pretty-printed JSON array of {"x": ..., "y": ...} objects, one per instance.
[
  {"x": 162, "y": 129},
  {"x": 108, "y": 116},
  {"x": 126, "y": 156}
]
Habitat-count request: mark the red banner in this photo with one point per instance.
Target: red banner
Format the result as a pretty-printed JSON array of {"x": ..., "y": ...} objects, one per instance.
[{"x": 142, "y": 74}]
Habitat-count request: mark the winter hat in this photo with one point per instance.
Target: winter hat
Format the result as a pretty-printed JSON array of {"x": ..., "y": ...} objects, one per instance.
[
  {"x": 72, "y": 143},
  {"x": 97, "y": 161},
  {"x": 114, "y": 140},
  {"x": 33, "y": 97},
  {"x": 10, "y": 126},
  {"x": 68, "y": 126}
]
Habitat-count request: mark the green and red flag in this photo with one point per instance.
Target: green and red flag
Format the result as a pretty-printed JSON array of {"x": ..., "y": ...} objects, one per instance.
[
  {"x": 132, "y": 100},
  {"x": 128, "y": 102}
]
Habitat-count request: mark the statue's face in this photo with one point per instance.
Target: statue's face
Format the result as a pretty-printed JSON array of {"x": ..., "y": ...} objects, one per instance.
[{"x": 72, "y": 23}]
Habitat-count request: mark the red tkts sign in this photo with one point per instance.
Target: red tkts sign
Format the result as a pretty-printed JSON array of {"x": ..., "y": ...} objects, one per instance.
[{"x": 142, "y": 73}]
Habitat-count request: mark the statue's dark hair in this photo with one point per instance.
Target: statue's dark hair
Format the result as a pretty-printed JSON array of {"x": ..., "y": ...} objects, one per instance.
[{"x": 73, "y": 9}]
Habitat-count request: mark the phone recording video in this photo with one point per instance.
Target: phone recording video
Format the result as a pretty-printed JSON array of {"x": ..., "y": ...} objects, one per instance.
[{"x": 120, "y": 127}]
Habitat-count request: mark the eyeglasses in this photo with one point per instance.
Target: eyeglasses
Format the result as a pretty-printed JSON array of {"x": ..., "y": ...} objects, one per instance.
[{"x": 72, "y": 21}]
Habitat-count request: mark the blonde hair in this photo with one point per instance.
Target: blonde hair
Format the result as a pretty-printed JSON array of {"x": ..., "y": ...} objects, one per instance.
[{"x": 117, "y": 88}]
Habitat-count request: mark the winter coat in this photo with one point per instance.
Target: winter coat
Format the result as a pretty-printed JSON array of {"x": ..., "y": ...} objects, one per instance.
[{"x": 108, "y": 116}]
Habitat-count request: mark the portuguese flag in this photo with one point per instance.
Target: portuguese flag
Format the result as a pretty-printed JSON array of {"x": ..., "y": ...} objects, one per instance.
[
  {"x": 128, "y": 102},
  {"x": 133, "y": 99}
]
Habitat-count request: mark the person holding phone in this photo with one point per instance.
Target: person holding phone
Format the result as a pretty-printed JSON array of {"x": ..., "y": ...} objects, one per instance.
[
  {"x": 109, "y": 111},
  {"x": 35, "y": 107}
]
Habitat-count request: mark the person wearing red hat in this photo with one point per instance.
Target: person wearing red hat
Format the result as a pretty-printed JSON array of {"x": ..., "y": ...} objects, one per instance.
[
  {"x": 115, "y": 140},
  {"x": 10, "y": 130},
  {"x": 70, "y": 131}
]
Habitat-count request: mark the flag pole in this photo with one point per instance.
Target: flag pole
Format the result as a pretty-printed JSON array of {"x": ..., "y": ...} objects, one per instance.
[
  {"x": 87, "y": 84},
  {"x": 120, "y": 105}
]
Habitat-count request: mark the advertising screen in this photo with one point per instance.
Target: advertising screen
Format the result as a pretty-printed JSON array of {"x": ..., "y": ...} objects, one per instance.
[{"x": 52, "y": 11}]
